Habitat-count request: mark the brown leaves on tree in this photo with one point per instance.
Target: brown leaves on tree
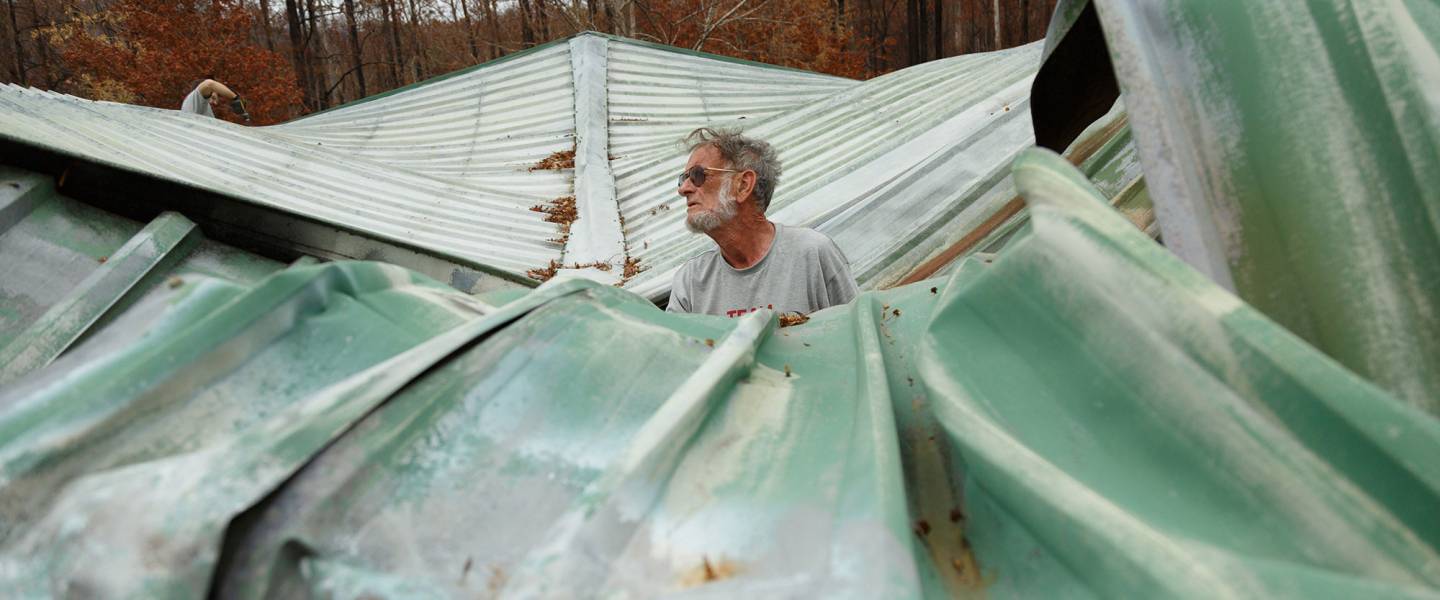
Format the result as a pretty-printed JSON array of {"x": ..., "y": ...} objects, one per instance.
[{"x": 151, "y": 52}]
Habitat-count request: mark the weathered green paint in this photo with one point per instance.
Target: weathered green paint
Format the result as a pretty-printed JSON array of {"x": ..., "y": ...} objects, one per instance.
[
  {"x": 1291, "y": 150},
  {"x": 164, "y": 241},
  {"x": 19, "y": 194},
  {"x": 1095, "y": 418}
]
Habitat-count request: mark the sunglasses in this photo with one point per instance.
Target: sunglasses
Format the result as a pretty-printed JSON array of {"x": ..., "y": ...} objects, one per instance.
[{"x": 696, "y": 175}]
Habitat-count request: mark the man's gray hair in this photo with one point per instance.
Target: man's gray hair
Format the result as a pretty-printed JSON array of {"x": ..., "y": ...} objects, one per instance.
[{"x": 744, "y": 154}]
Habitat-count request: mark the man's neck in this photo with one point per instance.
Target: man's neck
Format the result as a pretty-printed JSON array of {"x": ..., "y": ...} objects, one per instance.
[{"x": 745, "y": 240}]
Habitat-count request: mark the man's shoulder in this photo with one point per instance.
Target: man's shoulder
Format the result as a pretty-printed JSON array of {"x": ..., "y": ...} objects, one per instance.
[
  {"x": 808, "y": 239},
  {"x": 699, "y": 261}
]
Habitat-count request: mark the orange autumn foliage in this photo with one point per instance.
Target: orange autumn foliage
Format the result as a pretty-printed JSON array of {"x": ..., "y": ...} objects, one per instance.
[{"x": 149, "y": 52}]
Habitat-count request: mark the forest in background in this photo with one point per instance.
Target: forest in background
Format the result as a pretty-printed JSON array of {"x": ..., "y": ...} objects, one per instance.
[{"x": 292, "y": 57}]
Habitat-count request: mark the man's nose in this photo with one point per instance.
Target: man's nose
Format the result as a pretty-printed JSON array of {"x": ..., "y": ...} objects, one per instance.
[{"x": 687, "y": 187}]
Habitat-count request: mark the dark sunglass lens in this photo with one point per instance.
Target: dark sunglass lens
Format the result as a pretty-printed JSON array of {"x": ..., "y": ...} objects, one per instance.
[{"x": 695, "y": 174}]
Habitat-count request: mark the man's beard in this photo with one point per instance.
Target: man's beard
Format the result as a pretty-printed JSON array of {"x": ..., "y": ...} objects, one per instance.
[{"x": 710, "y": 220}]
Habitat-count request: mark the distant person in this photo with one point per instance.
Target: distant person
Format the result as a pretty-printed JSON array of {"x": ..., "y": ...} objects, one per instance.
[
  {"x": 727, "y": 185},
  {"x": 207, "y": 94}
]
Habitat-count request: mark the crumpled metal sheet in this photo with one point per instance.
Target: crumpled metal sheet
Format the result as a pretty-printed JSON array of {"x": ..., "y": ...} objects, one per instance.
[
  {"x": 1293, "y": 153},
  {"x": 1086, "y": 416},
  {"x": 895, "y": 169}
]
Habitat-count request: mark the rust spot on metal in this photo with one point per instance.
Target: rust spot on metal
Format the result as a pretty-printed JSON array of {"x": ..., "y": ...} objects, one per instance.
[
  {"x": 708, "y": 571},
  {"x": 710, "y": 342},
  {"x": 787, "y": 370},
  {"x": 793, "y": 318}
]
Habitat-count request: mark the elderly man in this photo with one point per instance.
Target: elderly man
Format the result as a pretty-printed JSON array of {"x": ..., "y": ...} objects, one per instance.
[{"x": 727, "y": 185}]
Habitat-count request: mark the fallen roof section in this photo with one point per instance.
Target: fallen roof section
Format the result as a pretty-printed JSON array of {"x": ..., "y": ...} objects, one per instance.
[
  {"x": 472, "y": 166},
  {"x": 1294, "y": 157},
  {"x": 1086, "y": 416}
]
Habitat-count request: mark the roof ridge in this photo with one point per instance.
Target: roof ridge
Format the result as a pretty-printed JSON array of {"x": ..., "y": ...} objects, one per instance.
[{"x": 556, "y": 42}]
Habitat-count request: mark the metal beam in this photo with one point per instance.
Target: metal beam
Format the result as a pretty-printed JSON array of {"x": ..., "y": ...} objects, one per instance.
[{"x": 167, "y": 238}]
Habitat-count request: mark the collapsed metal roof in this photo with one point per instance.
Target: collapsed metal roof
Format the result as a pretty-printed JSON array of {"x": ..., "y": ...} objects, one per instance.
[
  {"x": 1082, "y": 414},
  {"x": 896, "y": 169}
]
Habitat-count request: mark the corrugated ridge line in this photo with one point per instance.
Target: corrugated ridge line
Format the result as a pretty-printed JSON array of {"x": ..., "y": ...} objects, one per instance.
[
  {"x": 875, "y": 117},
  {"x": 556, "y": 55},
  {"x": 483, "y": 125},
  {"x": 849, "y": 114},
  {"x": 408, "y": 214},
  {"x": 657, "y": 95}
]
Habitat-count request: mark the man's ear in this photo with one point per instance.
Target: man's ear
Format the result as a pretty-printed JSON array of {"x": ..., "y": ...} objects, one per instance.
[{"x": 747, "y": 184}]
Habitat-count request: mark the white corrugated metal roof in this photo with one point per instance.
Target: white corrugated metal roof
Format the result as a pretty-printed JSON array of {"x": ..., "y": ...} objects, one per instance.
[{"x": 895, "y": 168}]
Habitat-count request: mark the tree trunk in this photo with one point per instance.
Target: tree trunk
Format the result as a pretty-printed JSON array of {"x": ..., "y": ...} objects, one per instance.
[
  {"x": 915, "y": 31},
  {"x": 609, "y": 16},
  {"x": 939, "y": 29},
  {"x": 544, "y": 13},
  {"x": 387, "y": 12},
  {"x": 297, "y": 54},
  {"x": 317, "y": 73},
  {"x": 19, "y": 47},
  {"x": 592, "y": 14},
  {"x": 470, "y": 32},
  {"x": 417, "y": 51},
  {"x": 527, "y": 35},
  {"x": 356, "y": 56},
  {"x": 265, "y": 25},
  {"x": 494, "y": 18}
]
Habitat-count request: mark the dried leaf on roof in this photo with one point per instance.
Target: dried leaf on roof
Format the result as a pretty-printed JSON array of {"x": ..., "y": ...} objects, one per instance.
[{"x": 564, "y": 159}]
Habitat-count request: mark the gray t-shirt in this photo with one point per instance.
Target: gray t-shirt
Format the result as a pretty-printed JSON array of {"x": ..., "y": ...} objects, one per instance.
[
  {"x": 195, "y": 103},
  {"x": 803, "y": 272}
]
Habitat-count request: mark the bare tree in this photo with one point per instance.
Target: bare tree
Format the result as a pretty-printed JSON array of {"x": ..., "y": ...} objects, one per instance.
[
  {"x": 527, "y": 35},
  {"x": 298, "y": 55},
  {"x": 356, "y": 55},
  {"x": 18, "y": 46}
]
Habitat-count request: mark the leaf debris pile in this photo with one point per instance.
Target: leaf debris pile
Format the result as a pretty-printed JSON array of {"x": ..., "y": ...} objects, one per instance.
[
  {"x": 563, "y": 159},
  {"x": 548, "y": 271},
  {"x": 562, "y": 212}
]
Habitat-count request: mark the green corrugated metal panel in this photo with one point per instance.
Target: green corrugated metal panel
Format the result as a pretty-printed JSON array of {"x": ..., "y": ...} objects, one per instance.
[
  {"x": 1086, "y": 417},
  {"x": 67, "y": 269},
  {"x": 1291, "y": 149}
]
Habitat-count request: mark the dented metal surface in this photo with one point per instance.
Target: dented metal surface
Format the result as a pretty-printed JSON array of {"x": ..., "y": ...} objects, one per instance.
[
  {"x": 352, "y": 430},
  {"x": 1081, "y": 414},
  {"x": 457, "y": 165},
  {"x": 1293, "y": 154}
]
